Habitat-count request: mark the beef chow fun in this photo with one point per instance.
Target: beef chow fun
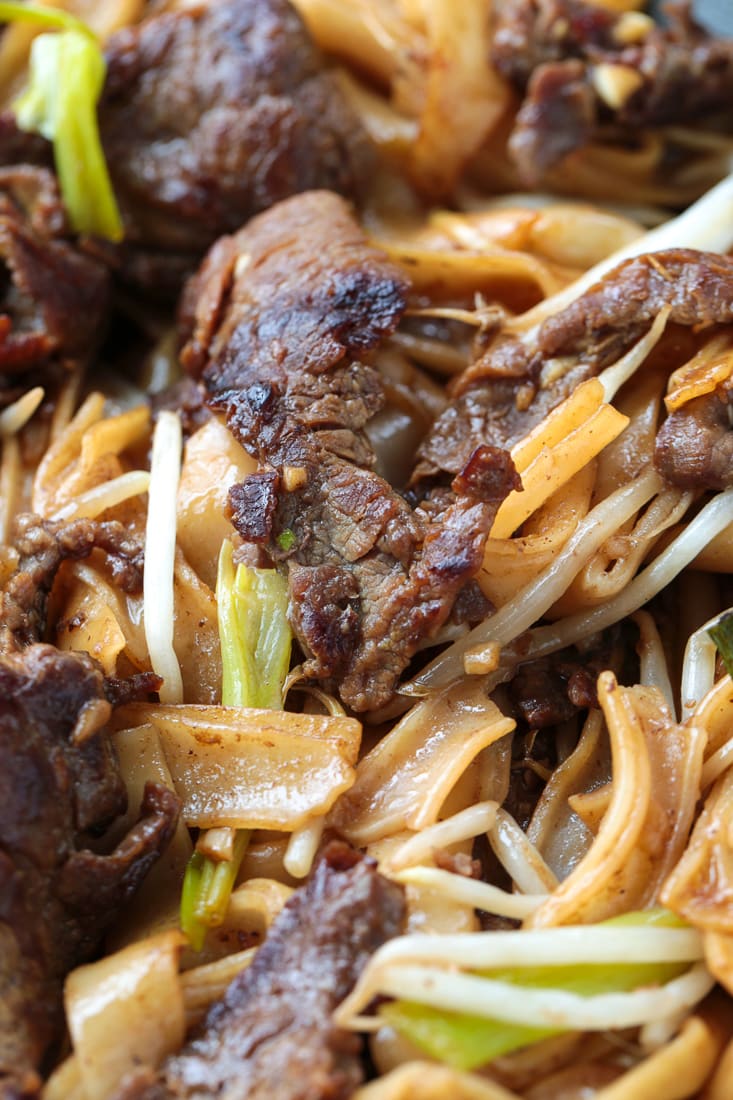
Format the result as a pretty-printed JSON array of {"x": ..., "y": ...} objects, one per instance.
[{"x": 366, "y": 512}]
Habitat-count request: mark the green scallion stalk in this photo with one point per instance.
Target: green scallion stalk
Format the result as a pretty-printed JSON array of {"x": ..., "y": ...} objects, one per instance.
[
  {"x": 255, "y": 633},
  {"x": 722, "y": 636},
  {"x": 255, "y": 647},
  {"x": 466, "y": 1042},
  {"x": 67, "y": 72}
]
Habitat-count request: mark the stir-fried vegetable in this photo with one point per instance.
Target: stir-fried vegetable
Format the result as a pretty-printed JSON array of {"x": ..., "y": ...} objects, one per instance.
[
  {"x": 207, "y": 886},
  {"x": 67, "y": 71},
  {"x": 722, "y": 635},
  {"x": 255, "y": 633},
  {"x": 255, "y": 649},
  {"x": 466, "y": 1041}
]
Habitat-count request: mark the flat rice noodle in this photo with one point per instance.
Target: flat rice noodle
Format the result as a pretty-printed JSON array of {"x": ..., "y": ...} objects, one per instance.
[
  {"x": 404, "y": 781},
  {"x": 252, "y": 769},
  {"x": 578, "y": 235},
  {"x": 196, "y": 635},
  {"x": 554, "y": 466},
  {"x": 558, "y": 833},
  {"x": 506, "y": 227},
  {"x": 700, "y": 888},
  {"x": 712, "y": 365},
  {"x": 464, "y": 97},
  {"x": 656, "y": 782},
  {"x": 511, "y": 563},
  {"x": 429, "y": 1081},
  {"x": 391, "y": 132},
  {"x": 212, "y": 461},
  {"x": 371, "y": 34},
  {"x": 103, "y": 599},
  {"x": 89, "y": 625},
  {"x": 87, "y": 454},
  {"x": 675, "y": 1071},
  {"x": 155, "y": 906},
  {"x": 498, "y": 273},
  {"x": 134, "y": 995},
  {"x": 682, "y": 1066},
  {"x": 715, "y": 714},
  {"x": 428, "y": 910},
  {"x": 65, "y": 1082},
  {"x": 265, "y": 857}
]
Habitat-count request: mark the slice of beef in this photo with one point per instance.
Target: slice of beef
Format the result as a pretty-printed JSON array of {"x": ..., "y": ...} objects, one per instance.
[
  {"x": 60, "y": 787},
  {"x": 501, "y": 396},
  {"x": 550, "y": 51},
  {"x": 694, "y": 447},
  {"x": 42, "y": 545},
  {"x": 280, "y": 320},
  {"x": 212, "y": 114},
  {"x": 271, "y": 1037},
  {"x": 53, "y": 299}
]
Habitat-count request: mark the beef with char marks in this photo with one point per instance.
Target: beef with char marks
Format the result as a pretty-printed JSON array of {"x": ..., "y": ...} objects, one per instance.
[
  {"x": 211, "y": 114},
  {"x": 280, "y": 321},
  {"x": 271, "y": 1037},
  {"x": 501, "y": 396},
  {"x": 60, "y": 788}
]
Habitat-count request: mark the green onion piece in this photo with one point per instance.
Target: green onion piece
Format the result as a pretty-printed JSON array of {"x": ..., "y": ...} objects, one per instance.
[
  {"x": 255, "y": 648},
  {"x": 286, "y": 540},
  {"x": 212, "y": 902},
  {"x": 255, "y": 633},
  {"x": 67, "y": 72},
  {"x": 722, "y": 635},
  {"x": 192, "y": 882},
  {"x": 207, "y": 887},
  {"x": 45, "y": 17},
  {"x": 466, "y": 1042}
]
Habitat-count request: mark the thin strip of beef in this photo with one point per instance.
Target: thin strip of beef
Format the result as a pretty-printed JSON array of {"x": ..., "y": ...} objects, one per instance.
[
  {"x": 271, "y": 1037},
  {"x": 41, "y": 546},
  {"x": 280, "y": 319},
  {"x": 212, "y": 114},
  {"x": 550, "y": 50},
  {"x": 60, "y": 788},
  {"x": 501, "y": 397},
  {"x": 53, "y": 299}
]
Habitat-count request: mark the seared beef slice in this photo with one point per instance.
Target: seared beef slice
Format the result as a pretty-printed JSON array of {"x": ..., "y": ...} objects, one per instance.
[
  {"x": 271, "y": 1037},
  {"x": 214, "y": 113},
  {"x": 59, "y": 788},
  {"x": 280, "y": 319},
  {"x": 53, "y": 299},
  {"x": 493, "y": 398}
]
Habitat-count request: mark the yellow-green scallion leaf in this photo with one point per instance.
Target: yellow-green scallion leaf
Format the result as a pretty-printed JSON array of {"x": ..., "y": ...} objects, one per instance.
[
  {"x": 255, "y": 644},
  {"x": 255, "y": 634},
  {"x": 466, "y": 1042},
  {"x": 66, "y": 77}
]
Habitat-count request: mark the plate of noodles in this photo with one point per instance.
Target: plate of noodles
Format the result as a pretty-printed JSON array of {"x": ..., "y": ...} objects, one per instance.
[{"x": 366, "y": 533}]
